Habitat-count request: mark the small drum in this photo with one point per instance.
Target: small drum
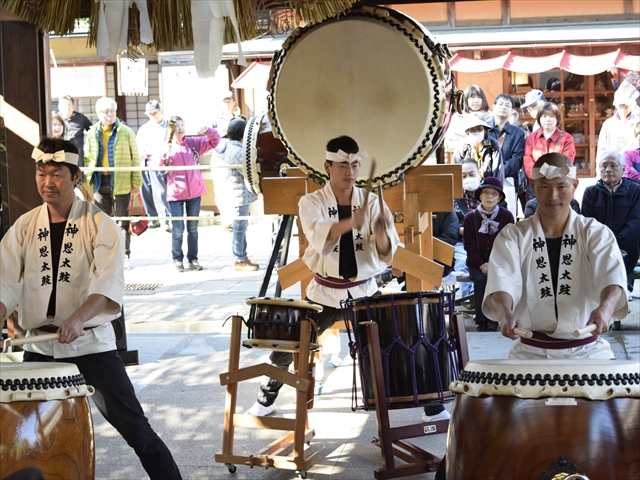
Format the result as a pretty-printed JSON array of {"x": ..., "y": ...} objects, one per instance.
[
  {"x": 45, "y": 420},
  {"x": 516, "y": 419},
  {"x": 262, "y": 153},
  {"x": 274, "y": 323},
  {"x": 373, "y": 74},
  {"x": 417, "y": 358}
]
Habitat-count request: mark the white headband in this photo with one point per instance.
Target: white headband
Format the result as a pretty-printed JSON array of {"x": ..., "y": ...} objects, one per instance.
[
  {"x": 549, "y": 171},
  {"x": 341, "y": 156},
  {"x": 60, "y": 156}
]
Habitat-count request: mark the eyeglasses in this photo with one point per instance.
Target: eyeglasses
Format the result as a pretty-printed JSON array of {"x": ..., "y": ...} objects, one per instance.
[{"x": 107, "y": 112}]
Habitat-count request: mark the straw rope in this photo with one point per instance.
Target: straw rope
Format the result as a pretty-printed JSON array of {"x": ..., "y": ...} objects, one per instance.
[{"x": 171, "y": 19}]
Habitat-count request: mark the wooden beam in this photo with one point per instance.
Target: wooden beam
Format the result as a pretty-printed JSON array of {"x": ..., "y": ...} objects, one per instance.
[
  {"x": 443, "y": 252},
  {"x": 436, "y": 191},
  {"x": 293, "y": 273},
  {"x": 261, "y": 369},
  {"x": 418, "y": 266},
  {"x": 282, "y": 194},
  {"x": 455, "y": 170}
]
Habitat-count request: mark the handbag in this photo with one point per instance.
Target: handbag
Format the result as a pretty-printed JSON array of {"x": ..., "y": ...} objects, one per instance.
[{"x": 140, "y": 226}]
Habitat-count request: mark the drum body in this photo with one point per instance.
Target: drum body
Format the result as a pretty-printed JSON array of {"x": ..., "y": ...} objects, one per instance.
[
  {"x": 507, "y": 427},
  {"x": 262, "y": 153},
  {"x": 274, "y": 323},
  {"x": 415, "y": 351},
  {"x": 373, "y": 74},
  {"x": 45, "y": 420}
]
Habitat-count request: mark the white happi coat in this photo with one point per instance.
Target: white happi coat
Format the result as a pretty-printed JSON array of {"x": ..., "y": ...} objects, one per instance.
[
  {"x": 318, "y": 213},
  {"x": 590, "y": 260},
  {"x": 91, "y": 262}
]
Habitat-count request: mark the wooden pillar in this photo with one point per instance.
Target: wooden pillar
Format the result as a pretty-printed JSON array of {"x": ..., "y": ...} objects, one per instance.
[{"x": 23, "y": 72}]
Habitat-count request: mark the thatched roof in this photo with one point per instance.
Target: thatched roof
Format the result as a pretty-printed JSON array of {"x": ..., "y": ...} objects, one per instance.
[{"x": 171, "y": 19}]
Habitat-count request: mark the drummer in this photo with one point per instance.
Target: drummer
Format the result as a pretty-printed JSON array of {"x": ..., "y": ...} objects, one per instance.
[
  {"x": 348, "y": 245},
  {"x": 556, "y": 272},
  {"x": 62, "y": 263}
]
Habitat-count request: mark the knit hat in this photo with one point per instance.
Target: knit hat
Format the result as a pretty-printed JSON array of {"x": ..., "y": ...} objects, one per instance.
[{"x": 490, "y": 182}]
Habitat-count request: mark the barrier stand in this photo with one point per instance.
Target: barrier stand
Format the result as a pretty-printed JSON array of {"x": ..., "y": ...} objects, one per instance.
[
  {"x": 390, "y": 439},
  {"x": 278, "y": 453}
]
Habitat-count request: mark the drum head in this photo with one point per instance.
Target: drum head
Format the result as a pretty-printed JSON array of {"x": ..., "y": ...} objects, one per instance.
[{"x": 371, "y": 74}]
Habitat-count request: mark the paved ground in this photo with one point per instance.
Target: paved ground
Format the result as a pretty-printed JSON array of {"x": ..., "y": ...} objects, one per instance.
[{"x": 179, "y": 332}]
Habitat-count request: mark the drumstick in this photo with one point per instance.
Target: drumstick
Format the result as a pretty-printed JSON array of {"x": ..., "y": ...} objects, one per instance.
[
  {"x": 588, "y": 329},
  {"x": 368, "y": 188},
  {"x": 523, "y": 333},
  {"x": 11, "y": 342},
  {"x": 380, "y": 200}
]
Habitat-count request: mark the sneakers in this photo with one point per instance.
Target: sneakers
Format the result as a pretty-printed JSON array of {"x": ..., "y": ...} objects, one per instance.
[
  {"x": 246, "y": 265},
  {"x": 127, "y": 263},
  {"x": 335, "y": 360},
  {"x": 317, "y": 388},
  {"x": 443, "y": 415},
  {"x": 489, "y": 326},
  {"x": 229, "y": 228},
  {"x": 195, "y": 265},
  {"x": 179, "y": 265},
  {"x": 167, "y": 227},
  {"x": 629, "y": 297},
  {"x": 154, "y": 224},
  {"x": 259, "y": 410}
]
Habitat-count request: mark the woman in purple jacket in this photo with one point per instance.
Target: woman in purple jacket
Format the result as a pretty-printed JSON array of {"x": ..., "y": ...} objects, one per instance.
[
  {"x": 481, "y": 227},
  {"x": 185, "y": 187}
]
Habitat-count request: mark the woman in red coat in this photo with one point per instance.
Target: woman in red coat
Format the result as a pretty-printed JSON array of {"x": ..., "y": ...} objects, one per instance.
[{"x": 549, "y": 138}]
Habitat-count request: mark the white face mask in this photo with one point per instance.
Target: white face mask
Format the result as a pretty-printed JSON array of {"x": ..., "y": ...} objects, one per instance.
[
  {"x": 476, "y": 136},
  {"x": 470, "y": 184}
]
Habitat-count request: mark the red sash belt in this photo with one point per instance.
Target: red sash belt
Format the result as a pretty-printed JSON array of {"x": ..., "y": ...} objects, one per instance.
[
  {"x": 541, "y": 340},
  {"x": 337, "y": 282}
]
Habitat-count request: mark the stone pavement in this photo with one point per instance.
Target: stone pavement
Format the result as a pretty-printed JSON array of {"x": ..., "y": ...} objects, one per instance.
[{"x": 177, "y": 325}]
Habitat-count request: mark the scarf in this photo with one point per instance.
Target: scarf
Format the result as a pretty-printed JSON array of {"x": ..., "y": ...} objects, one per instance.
[{"x": 489, "y": 226}]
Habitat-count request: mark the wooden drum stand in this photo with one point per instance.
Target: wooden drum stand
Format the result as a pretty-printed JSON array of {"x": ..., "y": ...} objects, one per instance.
[
  {"x": 391, "y": 439},
  {"x": 276, "y": 454}
]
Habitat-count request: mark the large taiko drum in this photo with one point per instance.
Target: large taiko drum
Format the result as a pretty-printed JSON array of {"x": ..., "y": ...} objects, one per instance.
[
  {"x": 416, "y": 352},
  {"x": 373, "y": 74},
  {"x": 45, "y": 420},
  {"x": 263, "y": 155},
  {"x": 526, "y": 419},
  {"x": 274, "y": 323}
]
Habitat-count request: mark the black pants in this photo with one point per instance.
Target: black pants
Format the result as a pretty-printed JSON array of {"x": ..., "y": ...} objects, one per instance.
[
  {"x": 269, "y": 388},
  {"x": 116, "y": 399},
  {"x": 479, "y": 286},
  {"x": 108, "y": 203}
]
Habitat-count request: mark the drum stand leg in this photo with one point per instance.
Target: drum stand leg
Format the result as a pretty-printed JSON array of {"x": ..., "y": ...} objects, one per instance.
[
  {"x": 276, "y": 454},
  {"x": 283, "y": 238},
  {"x": 391, "y": 444}
]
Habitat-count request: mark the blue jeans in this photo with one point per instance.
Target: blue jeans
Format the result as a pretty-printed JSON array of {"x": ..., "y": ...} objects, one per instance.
[
  {"x": 154, "y": 194},
  {"x": 239, "y": 240},
  {"x": 460, "y": 265},
  {"x": 178, "y": 209}
]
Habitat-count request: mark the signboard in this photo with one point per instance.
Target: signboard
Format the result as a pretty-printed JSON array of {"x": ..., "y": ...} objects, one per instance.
[{"x": 133, "y": 77}]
